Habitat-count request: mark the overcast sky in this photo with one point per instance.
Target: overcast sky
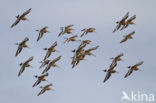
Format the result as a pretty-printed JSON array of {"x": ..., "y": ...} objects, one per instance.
[{"x": 84, "y": 83}]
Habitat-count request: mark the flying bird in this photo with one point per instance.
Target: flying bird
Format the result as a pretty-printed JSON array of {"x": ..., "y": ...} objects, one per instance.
[
  {"x": 110, "y": 71},
  {"x": 21, "y": 45},
  {"x": 129, "y": 22},
  {"x": 126, "y": 37},
  {"x": 44, "y": 63},
  {"x": 86, "y": 31},
  {"x": 21, "y": 17},
  {"x": 50, "y": 50},
  {"x": 42, "y": 32},
  {"x": 24, "y": 65},
  {"x": 133, "y": 68},
  {"x": 121, "y": 22},
  {"x": 72, "y": 38},
  {"x": 52, "y": 64},
  {"x": 66, "y": 30},
  {"x": 45, "y": 88},
  {"x": 39, "y": 79}
]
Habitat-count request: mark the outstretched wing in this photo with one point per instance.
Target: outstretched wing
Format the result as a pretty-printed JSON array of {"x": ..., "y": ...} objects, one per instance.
[
  {"x": 25, "y": 13},
  {"x": 37, "y": 82},
  {"x": 18, "y": 50},
  {"x": 54, "y": 44},
  {"x": 129, "y": 72},
  {"x": 21, "y": 70},
  {"x": 124, "y": 39},
  {"x": 47, "y": 55},
  {"x": 138, "y": 64},
  {"x": 16, "y": 22},
  {"x": 107, "y": 76},
  {"x": 41, "y": 92}
]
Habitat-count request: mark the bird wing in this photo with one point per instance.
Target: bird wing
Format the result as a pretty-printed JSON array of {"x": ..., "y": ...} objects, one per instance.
[
  {"x": 40, "y": 36},
  {"x": 117, "y": 27},
  {"x": 125, "y": 17},
  {"x": 30, "y": 59},
  {"x": 16, "y": 22},
  {"x": 138, "y": 64},
  {"x": 107, "y": 76},
  {"x": 124, "y": 39},
  {"x": 41, "y": 92},
  {"x": 53, "y": 45},
  {"x": 56, "y": 59},
  {"x": 129, "y": 72},
  {"x": 47, "y": 55},
  {"x": 37, "y": 82},
  {"x": 44, "y": 63},
  {"x": 131, "y": 18},
  {"x": 84, "y": 33},
  {"x": 25, "y": 13},
  {"x": 19, "y": 50},
  {"x": 21, "y": 70},
  {"x": 94, "y": 48},
  {"x": 47, "y": 68}
]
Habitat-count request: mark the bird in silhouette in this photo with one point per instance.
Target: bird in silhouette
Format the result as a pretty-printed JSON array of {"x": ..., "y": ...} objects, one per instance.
[
  {"x": 42, "y": 32},
  {"x": 126, "y": 37},
  {"x": 45, "y": 88},
  {"x": 39, "y": 79}
]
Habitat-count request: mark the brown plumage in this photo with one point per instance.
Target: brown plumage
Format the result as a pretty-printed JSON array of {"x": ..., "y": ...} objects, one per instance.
[
  {"x": 21, "y": 17},
  {"x": 68, "y": 29},
  {"x": 21, "y": 45},
  {"x": 44, "y": 63},
  {"x": 72, "y": 38},
  {"x": 129, "y": 22},
  {"x": 134, "y": 67},
  {"x": 126, "y": 37},
  {"x": 117, "y": 58},
  {"x": 110, "y": 71},
  {"x": 121, "y": 22},
  {"x": 24, "y": 65},
  {"x": 52, "y": 63},
  {"x": 42, "y": 32},
  {"x": 86, "y": 31},
  {"x": 45, "y": 88},
  {"x": 50, "y": 50},
  {"x": 39, "y": 79}
]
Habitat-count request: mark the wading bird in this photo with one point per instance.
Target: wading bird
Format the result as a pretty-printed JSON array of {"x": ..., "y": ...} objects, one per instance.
[
  {"x": 39, "y": 79},
  {"x": 121, "y": 22},
  {"x": 117, "y": 58},
  {"x": 110, "y": 71},
  {"x": 41, "y": 32},
  {"x": 21, "y": 17},
  {"x": 44, "y": 63},
  {"x": 86, "y": 31},
  {"x": 50, "y": 50},
  {"x": 68, "y": 29},
  {"x": 72, "y": 38},
  {"x": 21, "y": 45},
  {"x": 24, "y": 65},
  {"x": 129, "y": 22},
  {"x": 45, "y": 88},
  {"x": 126, "y": 37},
  {"x": 134, "y": 67},
  {"x": 52, "y": 64}
]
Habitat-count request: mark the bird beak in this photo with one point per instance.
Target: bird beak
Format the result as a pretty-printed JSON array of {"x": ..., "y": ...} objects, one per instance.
[{"x": 57, "y": 51}]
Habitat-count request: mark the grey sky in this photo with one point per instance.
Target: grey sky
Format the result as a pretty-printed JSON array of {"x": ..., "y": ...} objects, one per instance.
[{"x": 83, "y": 84}]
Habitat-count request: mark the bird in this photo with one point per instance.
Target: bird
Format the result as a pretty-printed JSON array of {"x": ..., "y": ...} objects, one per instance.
[
  {"x": 41, "y": 32},
  {"x": 21, "y": 45},
  {"x": 52, "y": 63},
  {"x": 50, "y": 50},
  {"x": 88, "y": 51},
  {"x": 134, "y": 67},
  {"x": 21, "y": 17},
  {"x": 86, "y": 31},
  {"x": 72, "y": 38},
  {"x": 44, "y": 63},
  {"x": 110, "y": 71},
  {"x": 68, "y": 29},
  {"x": 126, "y": 37},
  {"x": 39, "y": 79},
  {"x": 45, "y": 88},
  {"x": 24, "y": 65},
  {"x": 121, "y": 22},
  {"x": 129, "y": 22},
  {"x": 117, "y": 58}
]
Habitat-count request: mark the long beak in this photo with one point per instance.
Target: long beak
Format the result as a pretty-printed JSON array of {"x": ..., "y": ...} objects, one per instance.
[
  {"x": 57, "y": 51},
  {"x": 16, "y": 44},
  {"x": 31, "y": 67},
  {"x": 57, "y": 66},
  {"x": 29, "y": 47},
  {"x": 48, "y": 32}
]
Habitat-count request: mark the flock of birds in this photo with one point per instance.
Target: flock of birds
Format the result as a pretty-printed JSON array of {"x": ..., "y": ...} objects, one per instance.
[{"x": 79, "y": 54}]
